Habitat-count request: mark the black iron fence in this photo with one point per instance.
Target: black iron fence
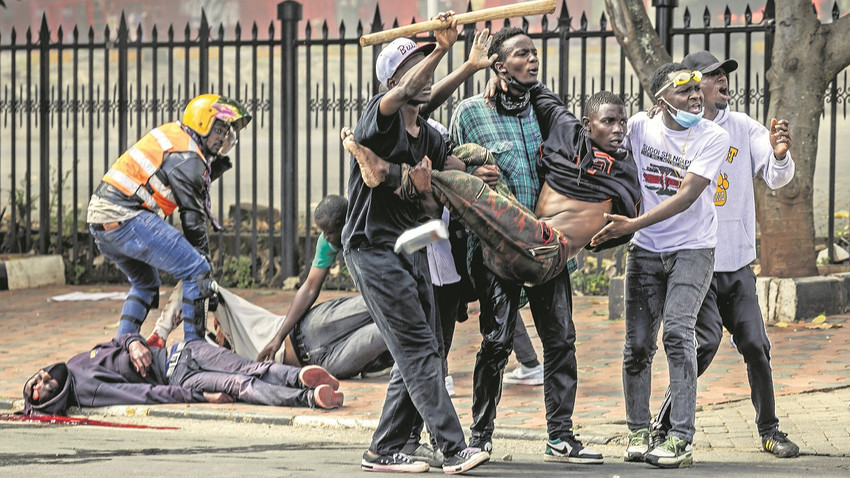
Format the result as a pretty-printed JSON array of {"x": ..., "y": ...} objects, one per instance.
[{"x": 71, "y": 103}]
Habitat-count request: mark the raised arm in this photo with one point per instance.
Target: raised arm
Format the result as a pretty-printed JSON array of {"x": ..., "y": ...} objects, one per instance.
[
  {"x": 553, "y": 115},
  {"x": 419, "y": 77},
  {"x": 478, "y": 60}
]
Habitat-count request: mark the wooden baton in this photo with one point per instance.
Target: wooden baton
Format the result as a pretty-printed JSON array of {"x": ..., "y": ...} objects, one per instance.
[{"x": 537, "y": 7}]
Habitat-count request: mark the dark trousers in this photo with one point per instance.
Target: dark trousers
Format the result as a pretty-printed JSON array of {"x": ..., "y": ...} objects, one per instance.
[
  {"x": 551, "y": 307},
  {"x": 731, "y": 302},
  {"x": 398, "y": 292},
  {"x": 209, "y": 368},
  {"x": 448, "y": 299}
]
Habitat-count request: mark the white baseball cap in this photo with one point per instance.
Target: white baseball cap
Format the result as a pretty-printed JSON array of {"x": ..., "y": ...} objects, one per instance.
[{"x": 395, "y": 53}]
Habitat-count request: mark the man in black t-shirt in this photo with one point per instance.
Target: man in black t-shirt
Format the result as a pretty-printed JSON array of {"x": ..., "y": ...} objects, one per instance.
[{"x": 397, "y": 287}]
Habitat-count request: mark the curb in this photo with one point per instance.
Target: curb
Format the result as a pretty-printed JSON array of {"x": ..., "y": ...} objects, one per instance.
[
  {"x": 19, "y": 271},
  {"x": 13, "y": 405}
]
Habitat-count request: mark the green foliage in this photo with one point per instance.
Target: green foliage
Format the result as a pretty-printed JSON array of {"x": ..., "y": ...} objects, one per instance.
[
  {"x": 590, "y": 283},
  {"x": 237, "y": 272}
]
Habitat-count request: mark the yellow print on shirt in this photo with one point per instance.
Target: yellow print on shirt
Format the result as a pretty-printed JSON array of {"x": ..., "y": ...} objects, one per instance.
[
  {"x": 720, "y": 192},
  {"x": 732, "y": 153}
]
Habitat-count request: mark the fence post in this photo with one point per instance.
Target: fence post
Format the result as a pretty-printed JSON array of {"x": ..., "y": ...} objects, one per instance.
[
  {"x": 44, "y": 138},
  {"x": 664, "y": 21},
  {"x": 769, "y": 31},
  {"x": 289, "y": 13},
  {"x": 123, "y": 85},
  {"x": 468, "y": 37},
  {"x": 203, "y": 56},
  {"x": 377, "y": 25}
]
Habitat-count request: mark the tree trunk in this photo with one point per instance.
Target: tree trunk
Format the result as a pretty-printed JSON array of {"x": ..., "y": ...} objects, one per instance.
[{"x": 805, "y": 60}]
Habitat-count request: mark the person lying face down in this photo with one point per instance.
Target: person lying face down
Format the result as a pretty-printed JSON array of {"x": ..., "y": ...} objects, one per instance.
[
  {"x": 588, "y": 173},
  {"x": 126, "y": 371}
]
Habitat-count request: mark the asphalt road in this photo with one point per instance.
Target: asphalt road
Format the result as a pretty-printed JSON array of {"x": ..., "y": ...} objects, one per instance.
[{"x": 205, "y": 448}]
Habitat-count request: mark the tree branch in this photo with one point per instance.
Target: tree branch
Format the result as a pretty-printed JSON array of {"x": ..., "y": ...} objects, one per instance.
[
  {"x": 637, "y": 37},
  {"x": 838, "y": 37}
]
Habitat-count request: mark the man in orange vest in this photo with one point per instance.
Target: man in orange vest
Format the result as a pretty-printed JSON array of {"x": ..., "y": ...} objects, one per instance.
[{"x": 170, "y": 167}]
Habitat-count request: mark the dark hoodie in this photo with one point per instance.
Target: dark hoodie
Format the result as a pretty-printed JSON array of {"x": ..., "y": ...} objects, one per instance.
[
  {"x": 105, "y": 376},
  {"x": 569, "y": 162}
]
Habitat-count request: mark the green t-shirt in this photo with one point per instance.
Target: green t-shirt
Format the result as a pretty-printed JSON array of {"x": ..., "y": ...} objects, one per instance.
[{"x": 325, "y": 253}]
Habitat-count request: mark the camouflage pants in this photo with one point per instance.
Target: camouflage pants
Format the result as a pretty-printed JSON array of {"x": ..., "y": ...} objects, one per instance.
[{"x": 515, "y": 244}]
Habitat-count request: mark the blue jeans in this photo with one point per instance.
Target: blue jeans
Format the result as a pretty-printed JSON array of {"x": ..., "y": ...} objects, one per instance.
[
  {"x": 398, "y": 292},
  {"x": 140, "y": 247},
  {"x": 668, "y": 288},
  {"x": 208, "y": 368}
]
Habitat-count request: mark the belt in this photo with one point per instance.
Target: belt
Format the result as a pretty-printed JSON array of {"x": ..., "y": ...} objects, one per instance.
[
  {"x": 298, "y": 344},
  {"x": 176, "y": 351},
  {"x": 107, "y": 226}
]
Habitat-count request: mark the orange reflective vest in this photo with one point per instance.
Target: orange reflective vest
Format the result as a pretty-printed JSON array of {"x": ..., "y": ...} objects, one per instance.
[{"x": 133, "y": 173}]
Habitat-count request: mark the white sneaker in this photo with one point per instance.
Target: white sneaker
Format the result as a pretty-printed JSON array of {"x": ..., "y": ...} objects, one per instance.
[
  {"x": 523, "y": 375},
  {"x": 450, "y": 386}
]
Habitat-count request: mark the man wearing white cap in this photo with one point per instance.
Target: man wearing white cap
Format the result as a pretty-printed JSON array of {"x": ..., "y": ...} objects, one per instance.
[
  {"x": 731, "y": 300},
  {"x": 397, "y": 287}
]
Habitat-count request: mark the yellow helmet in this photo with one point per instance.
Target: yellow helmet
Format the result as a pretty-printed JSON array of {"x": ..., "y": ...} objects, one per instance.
[{"x": 203, "y": 110}]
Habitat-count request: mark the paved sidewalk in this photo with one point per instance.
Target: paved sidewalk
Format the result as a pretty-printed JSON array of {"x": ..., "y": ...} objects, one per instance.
[{"x": 811, "y": 372}]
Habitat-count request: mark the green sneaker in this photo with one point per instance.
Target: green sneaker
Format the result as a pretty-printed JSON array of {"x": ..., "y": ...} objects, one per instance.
[
  {"x": 638, "y": 445},
  {"x": 672, "y": 453}
]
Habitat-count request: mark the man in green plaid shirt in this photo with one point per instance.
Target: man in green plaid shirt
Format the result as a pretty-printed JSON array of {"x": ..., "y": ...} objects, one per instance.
[{"x": 511, "y": 133}]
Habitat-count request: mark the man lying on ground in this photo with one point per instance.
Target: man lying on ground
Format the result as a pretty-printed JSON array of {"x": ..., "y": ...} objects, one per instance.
[
  {"x": 589, "y": 171},
  {"x": 338, "y": 335},
  {"x": 126, "y": 371}
]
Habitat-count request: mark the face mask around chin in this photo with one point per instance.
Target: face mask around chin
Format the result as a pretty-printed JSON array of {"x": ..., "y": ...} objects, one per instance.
[{"x": 685, "y": 118}]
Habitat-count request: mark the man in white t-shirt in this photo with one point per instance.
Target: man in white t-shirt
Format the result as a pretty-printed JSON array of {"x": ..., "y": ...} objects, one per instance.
[
  {"x": 671, "y": 257},
  {"x": 731, "y": 301}
]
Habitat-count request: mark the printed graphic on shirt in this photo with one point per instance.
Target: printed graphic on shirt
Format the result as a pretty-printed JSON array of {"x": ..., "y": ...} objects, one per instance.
[
  {"x": 722, "y": 185},
  {"x": 601, "y": 162},
  {"x": 665, "y": 157},
  {"x": 732, "y": 153},
  {"x": 661, "y": 179}
]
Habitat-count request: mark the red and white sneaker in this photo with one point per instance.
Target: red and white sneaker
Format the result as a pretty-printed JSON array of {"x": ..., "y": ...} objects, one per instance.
[{"x": 312, "y": 376}]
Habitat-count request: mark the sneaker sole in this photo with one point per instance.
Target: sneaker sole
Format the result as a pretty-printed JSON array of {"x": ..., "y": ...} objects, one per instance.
[
  {"x": 523, "y": 382},
  {"x": 312, "y": 376},
  {"x": 482, "y": 458},
  {"x": 572, "y": 459},
  {"x": 634, "y": 457},
  {"x": 416, "y": 467},
  {"x": 326, "y": 397},
  {"x": 670, "y": 462}
]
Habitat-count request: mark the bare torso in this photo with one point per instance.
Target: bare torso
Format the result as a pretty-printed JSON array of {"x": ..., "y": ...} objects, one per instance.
[
  {"x": 289, "y": 355},
  {"x": 577, "y": 220}
]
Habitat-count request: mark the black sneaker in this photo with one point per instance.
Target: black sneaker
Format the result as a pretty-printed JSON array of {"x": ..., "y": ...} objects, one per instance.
[
  {"x": 570, "y": 450},
  {"x": 778, "y": 443},
  {"x": 465, "y": 460},
  {"x": 396, "y": 463},
  {"x": 485, "y": 443}
]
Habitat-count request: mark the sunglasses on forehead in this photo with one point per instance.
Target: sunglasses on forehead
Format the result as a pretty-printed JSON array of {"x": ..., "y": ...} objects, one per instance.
[{"x": 682, "y": 78}]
